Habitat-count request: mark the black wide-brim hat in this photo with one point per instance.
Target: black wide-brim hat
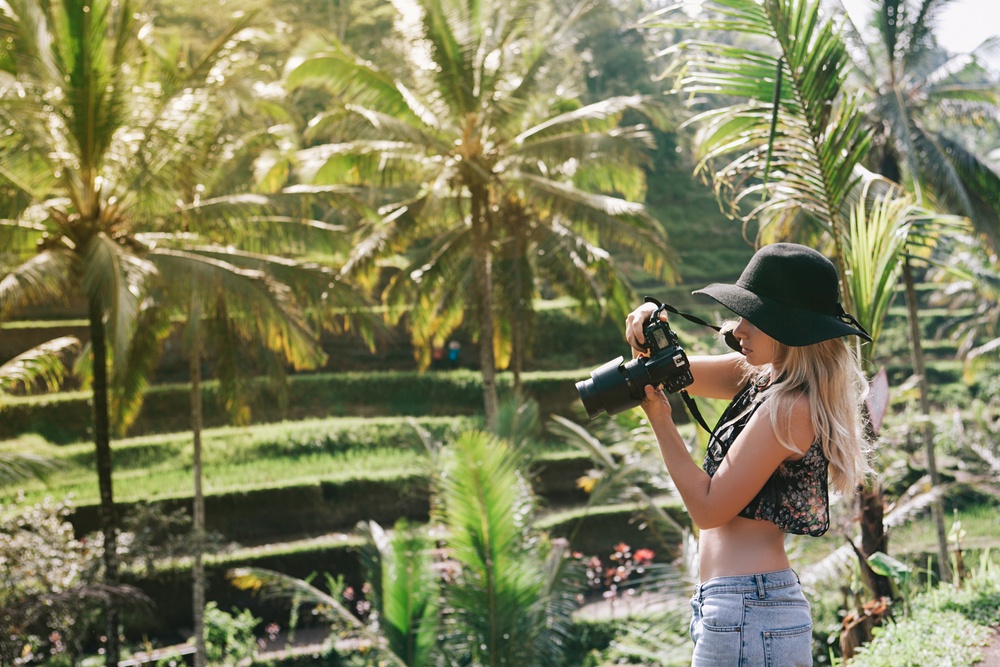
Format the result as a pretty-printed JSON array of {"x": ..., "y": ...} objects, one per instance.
[{"x": 791, "y": 293}]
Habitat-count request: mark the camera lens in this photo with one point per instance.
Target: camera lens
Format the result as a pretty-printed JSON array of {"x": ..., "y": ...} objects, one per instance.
[{"x": 609, "y": 388}]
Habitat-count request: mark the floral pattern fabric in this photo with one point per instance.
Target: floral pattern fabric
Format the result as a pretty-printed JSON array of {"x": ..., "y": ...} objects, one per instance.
[{"x": 796, "y": 497}]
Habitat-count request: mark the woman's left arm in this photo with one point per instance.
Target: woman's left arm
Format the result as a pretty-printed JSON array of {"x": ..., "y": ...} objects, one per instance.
[{"x": 752, "y": 459}]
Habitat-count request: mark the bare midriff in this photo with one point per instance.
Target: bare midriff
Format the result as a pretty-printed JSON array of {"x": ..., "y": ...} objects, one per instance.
[{"x": 742, "y": 546}]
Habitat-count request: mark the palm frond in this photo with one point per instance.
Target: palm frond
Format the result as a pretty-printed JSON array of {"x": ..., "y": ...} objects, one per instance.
[
  {"x": 485, "y": 506},
  {"x": 832, "y": 567},
  {"x": 134, "y": 373},
  {"x": 454, "y": 35},
  {"x": 811, "y": 143},
  {"x": 578, "y": 204},
  {"x": 42, "y": 278},
  {"x": 259, "y": 308},
  {"x": 602, "y": 115},
  {"x": 16, "y": 467},
  {"x": 351, "y": 78},
  {"x": 114, "y": 279},
  {"x": 619, "y": 478},
  {"x": 980, "y": 184},
  {"x": 45, "y": 364},
  {"x": 873, "y": 251},
  {"x": 405, "y": 589},
  {"x": 518, "y": 422},
  {"x": 917, "y": 499}
]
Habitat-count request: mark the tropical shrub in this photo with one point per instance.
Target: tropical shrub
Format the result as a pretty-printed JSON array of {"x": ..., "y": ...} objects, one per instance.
[{"x": 47, "y": 608}]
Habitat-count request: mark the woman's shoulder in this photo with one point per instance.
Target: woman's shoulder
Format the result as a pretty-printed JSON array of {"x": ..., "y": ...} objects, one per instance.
[{"x": 794, "y": 418}]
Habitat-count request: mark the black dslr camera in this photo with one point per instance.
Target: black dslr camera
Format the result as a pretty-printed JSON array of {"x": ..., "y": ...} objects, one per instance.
[{"x": 617, "y": 386}]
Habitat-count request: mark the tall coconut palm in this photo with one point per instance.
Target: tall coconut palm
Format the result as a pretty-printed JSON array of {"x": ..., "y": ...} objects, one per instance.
[
  {"x": 251, "y": 306},
  {"x": 238, "y": 308},
  {"x": 917, "y": 100},
  {"x": 484, "y": 118},
  {"x": 74, "y": 89},
  {"x": 102, "y": 136}
]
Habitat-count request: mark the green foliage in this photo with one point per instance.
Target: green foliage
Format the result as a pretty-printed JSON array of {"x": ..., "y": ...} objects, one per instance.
[
  {"x": 659, "y": 641},
  {"x": 45, "y": 606},
  {"x": 229, "y": 638},
  {"x": 948, "y": 625},
  {"x": 928, "y": 637}
]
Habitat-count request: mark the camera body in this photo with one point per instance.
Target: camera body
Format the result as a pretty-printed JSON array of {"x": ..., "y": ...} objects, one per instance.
[{"x": 617, "y": 386}]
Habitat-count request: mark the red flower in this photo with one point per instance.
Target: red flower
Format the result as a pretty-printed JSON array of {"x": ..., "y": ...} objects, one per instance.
[{"x": 643, "y": 556}]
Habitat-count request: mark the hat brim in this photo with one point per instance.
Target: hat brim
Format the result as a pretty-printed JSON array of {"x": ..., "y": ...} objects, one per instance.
[{"x": 786, "y": 324}]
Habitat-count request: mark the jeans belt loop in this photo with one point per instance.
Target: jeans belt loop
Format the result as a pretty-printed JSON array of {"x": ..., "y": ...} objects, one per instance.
[{"x": 761, "y": 593}]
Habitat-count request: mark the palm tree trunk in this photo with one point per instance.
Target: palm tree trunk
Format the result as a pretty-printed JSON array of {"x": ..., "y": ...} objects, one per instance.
[
  {"x": 517, "y": 352},
  {"x": 102, "y": 447},
  {"x": 483, "y": 285},
  {"x": 198, "y": 523},
  {"x": 917, "y": 355},
  {"x": 873, "y": 539},
  {"x": 518, "y": 328}
]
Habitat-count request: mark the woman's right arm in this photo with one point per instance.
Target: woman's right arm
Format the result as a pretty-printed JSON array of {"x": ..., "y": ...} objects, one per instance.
[{"x": 715, "y": 376}]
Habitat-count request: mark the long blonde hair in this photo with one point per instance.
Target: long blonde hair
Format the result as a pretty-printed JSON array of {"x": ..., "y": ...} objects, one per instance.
[{"x": 829, "y": 375}]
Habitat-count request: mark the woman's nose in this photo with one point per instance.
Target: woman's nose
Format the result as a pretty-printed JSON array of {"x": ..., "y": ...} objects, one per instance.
[{"x": 741, "y": 330}]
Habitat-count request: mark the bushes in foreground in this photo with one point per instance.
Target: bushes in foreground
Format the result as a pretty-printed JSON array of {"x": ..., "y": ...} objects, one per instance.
[{"x": 947, "y": 625}]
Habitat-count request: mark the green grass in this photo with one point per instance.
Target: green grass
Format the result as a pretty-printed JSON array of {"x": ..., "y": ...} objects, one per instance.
[
  {"x": 946, "y": 625},
  {"x": 43, "y": 324},
  {"x": 173, "y": 479},
  {"x": 267, "y": 456},
  {"x": 979, "y": 523}
]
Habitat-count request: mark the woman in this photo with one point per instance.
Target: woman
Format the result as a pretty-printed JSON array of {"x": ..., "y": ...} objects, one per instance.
[{"x": 793, "y": 422}]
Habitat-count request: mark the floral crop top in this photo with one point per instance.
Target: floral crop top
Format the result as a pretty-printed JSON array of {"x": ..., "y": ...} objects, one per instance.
[{"x": 795, "y": 498}]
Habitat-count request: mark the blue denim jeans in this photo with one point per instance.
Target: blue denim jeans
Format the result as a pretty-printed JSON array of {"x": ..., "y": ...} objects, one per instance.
[{"x": 752, "y": 620}]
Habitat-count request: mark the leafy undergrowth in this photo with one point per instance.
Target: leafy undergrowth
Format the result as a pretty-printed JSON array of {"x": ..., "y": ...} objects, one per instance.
[{"x": 947, "y": 626}]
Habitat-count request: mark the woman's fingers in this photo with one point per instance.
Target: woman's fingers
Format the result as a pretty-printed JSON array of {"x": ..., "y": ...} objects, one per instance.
[{"x": 635, "y": 322}]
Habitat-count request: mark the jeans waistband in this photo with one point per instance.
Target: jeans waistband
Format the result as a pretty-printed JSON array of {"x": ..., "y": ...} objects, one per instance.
[{"x": 747, "y": 583}]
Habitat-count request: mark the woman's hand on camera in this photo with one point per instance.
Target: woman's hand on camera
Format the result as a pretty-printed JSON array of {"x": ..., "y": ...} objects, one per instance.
[
  {"x": 635, "y": 322},
  {"x": 655, "y": 404}
]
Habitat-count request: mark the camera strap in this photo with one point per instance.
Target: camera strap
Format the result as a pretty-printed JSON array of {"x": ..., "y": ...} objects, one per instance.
[{"x": 731, "y": 341}]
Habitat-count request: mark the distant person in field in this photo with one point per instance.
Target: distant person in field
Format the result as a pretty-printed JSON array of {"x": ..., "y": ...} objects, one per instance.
[
  {"x": 454, "y": 353},
  {"x": 793, "y": 425}
]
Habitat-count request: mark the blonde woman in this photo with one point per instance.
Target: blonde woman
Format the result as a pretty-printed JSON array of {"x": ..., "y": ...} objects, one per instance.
[{"x": 792, "y": 429}]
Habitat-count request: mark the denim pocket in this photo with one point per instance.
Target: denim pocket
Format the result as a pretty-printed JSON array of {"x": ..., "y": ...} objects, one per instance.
[
  {"x": 788, "y": 648},
  {"x": 722, "y": 613}
]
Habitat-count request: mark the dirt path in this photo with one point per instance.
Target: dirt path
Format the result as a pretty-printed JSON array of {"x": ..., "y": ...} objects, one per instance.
[{"x": 991, "y": 654}]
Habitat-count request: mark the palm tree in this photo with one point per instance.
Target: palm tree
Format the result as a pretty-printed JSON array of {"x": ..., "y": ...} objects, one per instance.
[
  {"x": 102, "y": 136},
  {"x": 242, "y": 304},
  {"x": 478, "y": 140},
  {"x": 251, "y": 305},
  {"x": 914, "y": 103},
  {"x": 69, "y": 184},
  {"x": 917, "y": 99}
]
